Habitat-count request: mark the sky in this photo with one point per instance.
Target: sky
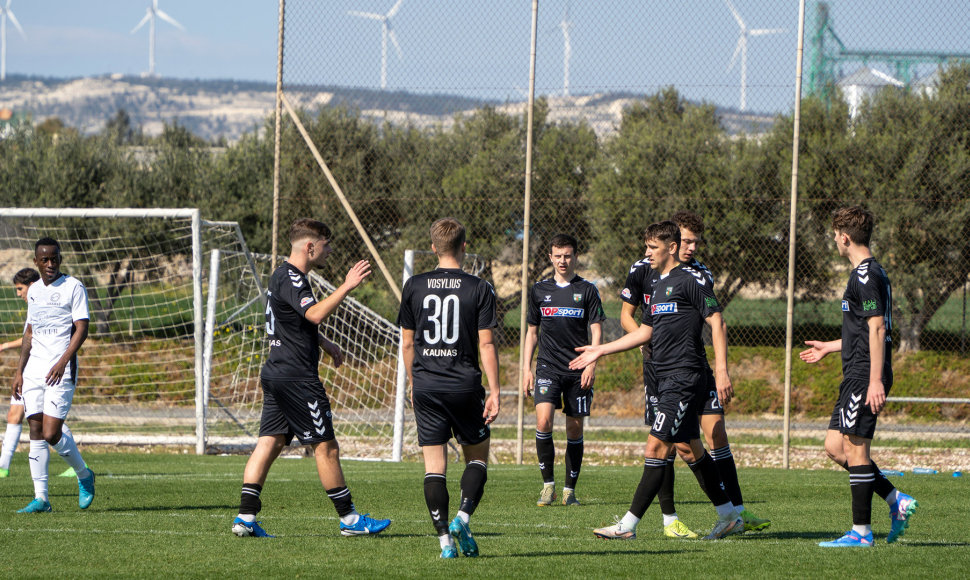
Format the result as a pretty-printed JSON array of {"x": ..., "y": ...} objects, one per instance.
[{"x": 472, "y": 47}]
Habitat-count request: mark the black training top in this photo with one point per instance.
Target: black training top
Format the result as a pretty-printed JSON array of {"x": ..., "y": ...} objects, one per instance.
[
  {"x": 678, "y": 306},
  {"x": 867, "y": 294},
  {"x": 294, "y": 349},
  {"x": 563, "y": 315},
  {"x": 446, "y": 308}
]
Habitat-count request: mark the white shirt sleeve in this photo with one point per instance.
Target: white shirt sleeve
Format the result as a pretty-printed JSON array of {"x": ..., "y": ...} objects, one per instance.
[{"x": 79, "y": 302}]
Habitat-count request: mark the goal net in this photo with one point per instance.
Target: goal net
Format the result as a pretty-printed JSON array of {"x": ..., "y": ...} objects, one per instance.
[{"x": 149, "y": 375}]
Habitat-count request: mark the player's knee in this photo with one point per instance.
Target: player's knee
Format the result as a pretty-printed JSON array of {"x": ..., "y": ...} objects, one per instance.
[
  {"x": 834, "y": 450},
  {"x": 718, "y": 435}
]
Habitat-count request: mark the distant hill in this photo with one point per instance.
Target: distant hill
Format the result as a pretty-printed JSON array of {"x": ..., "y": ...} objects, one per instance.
[{"x": 215, "y": 109}]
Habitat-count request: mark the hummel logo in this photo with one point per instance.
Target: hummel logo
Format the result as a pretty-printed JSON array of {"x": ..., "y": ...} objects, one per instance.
[
  {"x": 306, "y": 433},
  {"x": 312, "y": 405},
  {"x": 315, "y": 414},
  {"x": 436, "y": 515},
  {"x": 542, "y": 465},
  {"x": 318, "y": 422},
  {"x": 573, "y": 473},
  {"x": 864, "y": 279},
  {"x": 321, "y": 430}
]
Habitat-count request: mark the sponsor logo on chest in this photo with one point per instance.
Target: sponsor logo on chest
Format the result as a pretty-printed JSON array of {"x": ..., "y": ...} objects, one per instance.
[
  {"x": 562, "y": 312},
  {"x": 663, "y": 308}
]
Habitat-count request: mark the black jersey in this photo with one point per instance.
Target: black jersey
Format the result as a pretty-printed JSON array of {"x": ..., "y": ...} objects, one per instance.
[
  {"x": 678, "y": 306},
  {"x": 294, "y": 350},
  {"x": 867, "y": 294},
  {"x": 563, "y": 315},
  {"x": 446, "y": 308},
  {"x": 701, "y": 268},
  {"x": 636, "y": 291}
]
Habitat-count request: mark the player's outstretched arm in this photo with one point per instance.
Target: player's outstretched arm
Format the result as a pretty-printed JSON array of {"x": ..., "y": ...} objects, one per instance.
[
  {"x": 590, "y": 354},
  {"x": 589, "y": 373},
  {"x": 819, "y": 350},
  {"x": 531, "y": 340},
  {"x": 12, "y": 344},
  {"x": 725, "y": 389},
  {"x": 321, "y": 310},
  {"x": 489, "y": 356}
]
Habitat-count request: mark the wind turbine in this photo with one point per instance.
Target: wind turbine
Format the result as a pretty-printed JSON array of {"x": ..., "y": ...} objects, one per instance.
[
  {"x": 151, "y": 14},
  {"x": 6, "y": 13},
  {"x": 567, "y": 49},
  {"x": 742, "y": 49},
  {"x": 386, "y": 31}
]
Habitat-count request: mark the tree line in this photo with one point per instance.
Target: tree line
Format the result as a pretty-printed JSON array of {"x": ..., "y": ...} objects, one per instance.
[{"x": 906, "y": 156}]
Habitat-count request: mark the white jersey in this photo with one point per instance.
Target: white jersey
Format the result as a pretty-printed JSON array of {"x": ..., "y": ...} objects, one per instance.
[{"x": 51, "y": 312}]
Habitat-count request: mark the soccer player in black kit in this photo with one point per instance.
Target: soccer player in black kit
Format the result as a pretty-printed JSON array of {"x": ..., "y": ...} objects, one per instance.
[
  {"x": 294, "y": 400},
  {"x": 446, "y": 321},
  {"x": 638, "y": 285},
  {"x": 867, "y": 375},
  {"x": 564, "y": 312},
  {"x": 681, "y": 301}
]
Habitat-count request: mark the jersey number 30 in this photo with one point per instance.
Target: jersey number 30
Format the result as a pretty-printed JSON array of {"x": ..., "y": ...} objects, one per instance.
[{"x": 443, "y": 319}]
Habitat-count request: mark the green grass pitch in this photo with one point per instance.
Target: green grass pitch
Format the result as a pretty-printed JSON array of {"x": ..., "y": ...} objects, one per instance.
[{"x": 169, "y": 516}]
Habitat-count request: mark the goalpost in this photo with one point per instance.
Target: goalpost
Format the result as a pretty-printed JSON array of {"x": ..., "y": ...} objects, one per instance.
[{"x": 150, "y": 374}]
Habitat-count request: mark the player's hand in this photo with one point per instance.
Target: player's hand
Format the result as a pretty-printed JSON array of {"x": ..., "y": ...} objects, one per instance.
[
  {"x": 814, "y": 354},
  {"x": 725, "y": 389},
  {"x": 336, "y": 355},
  {"x": 357, "y": 274},
  {"x": 56, "y": 373},
  {"x": 527, "y": 380},
  {"x": 876, "y": 396},
  {"x": 18, "y": 386},
  {"x": 589, "y": 375},
  {"x": 492, "y": 406},
  {"x": 589, "y": 355}
]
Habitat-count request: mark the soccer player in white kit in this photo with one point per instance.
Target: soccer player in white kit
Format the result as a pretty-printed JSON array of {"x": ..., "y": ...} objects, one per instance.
[{"x": 57, "y": 324}]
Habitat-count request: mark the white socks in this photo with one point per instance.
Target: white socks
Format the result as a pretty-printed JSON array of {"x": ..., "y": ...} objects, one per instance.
[
  {"x": 39, "y": 455},
  {"x": 67, "y": 449},
  {"x": 10, "y": 440}
]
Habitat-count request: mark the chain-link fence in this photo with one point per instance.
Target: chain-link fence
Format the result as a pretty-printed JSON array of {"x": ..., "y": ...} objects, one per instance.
[{"x": 419, "y": 110}]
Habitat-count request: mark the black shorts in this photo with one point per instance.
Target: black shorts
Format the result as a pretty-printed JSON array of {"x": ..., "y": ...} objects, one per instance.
[
  {"x": 678, "y": 395},
  {"x": 709, "y": 404},
  {"x": 650, "y": 399},
  {"x": 440, "y": 414},
  {"x": 296, "y": 408},
  {"x": 851, "y": 415},
  {"x": 564, "y": 392}
]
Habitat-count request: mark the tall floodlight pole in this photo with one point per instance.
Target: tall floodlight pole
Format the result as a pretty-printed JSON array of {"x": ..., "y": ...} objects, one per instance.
[
  {"x": 790, "y": 314},
  {"x": 525, "y": 230}
]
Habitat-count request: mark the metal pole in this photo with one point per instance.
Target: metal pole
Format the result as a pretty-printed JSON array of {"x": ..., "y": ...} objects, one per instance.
[
  {"x": 210, "y": 325},
  {"x": 200, "y": 435},
  {"x": 525, "y": 231},
  {"x": 402, "y": 375},
  {"x": 277, "y": 135},
  {"x": 789, "y": 322}
]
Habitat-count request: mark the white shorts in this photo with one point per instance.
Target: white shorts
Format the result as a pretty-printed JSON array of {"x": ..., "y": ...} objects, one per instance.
[{"x": 53, "y": 401}]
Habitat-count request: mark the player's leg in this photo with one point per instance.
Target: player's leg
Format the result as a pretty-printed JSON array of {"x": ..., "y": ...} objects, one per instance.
[
  {"x": 38, "y": 455},
  {"x": 713, "y": 427},
  {"x": 69, "y": 472},
  {"x": 702, "y": 465},
  {"x": 436, "y": 495},
  {"x": 57, "y": 404},
  {"x": 545, "y": 446},
  {"x": 672, "y": 525},
  {"x": 474, "y": 436},
  {"x": 11, "y": 438},
  {"x": 654, "y": 457},
  {"x": 856, "y": 428},
  {"x": 577, "y": 404}
]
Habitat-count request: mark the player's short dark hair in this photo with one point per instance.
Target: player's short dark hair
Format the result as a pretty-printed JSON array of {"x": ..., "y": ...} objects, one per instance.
[
  {"x": 304, "y": 228},
  {"x": 26, "y": 277},
  {"x": 447, "y": 235},
  {"x": 47, "y": 242},
  {"x": 856, "y": 222},
  {"x": 664, "y": 232},
  {"x": 689, "y": 221},
  {"x": 564, "y": 241}
]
